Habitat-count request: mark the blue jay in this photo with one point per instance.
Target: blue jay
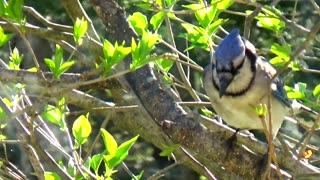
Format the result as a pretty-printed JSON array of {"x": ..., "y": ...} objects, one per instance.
[{"x": 238, "y": 80}]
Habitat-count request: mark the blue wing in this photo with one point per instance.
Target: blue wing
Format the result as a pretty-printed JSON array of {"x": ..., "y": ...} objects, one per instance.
[{"x": 280, "y": 93}]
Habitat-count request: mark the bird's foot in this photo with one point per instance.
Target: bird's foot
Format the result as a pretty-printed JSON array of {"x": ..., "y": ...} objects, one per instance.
[
  {"x": 264, "y": 167},
  {"x": 231, "y": 142}
]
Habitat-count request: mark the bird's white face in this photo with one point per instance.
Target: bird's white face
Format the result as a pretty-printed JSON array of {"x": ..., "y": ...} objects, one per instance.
[
  {"x": 242, "y": 79},
  {"x": 238, "y": 72}
]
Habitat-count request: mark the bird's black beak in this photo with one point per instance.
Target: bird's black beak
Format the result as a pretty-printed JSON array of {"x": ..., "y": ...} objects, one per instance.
[{"x": 224, "y": 81}]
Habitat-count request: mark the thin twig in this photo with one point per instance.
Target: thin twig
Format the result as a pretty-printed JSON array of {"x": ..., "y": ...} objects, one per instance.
[
  {"x": 248, "y": 22},
  {"x": 45, "y": 22},
  {"x": 125, "y": 167},
  {"x": 316, "y": 6},
  {"x": 179, "y": 66},
  {"x": 307, "y": 70},
  {"x": 294, "y": 11},
  {"x": 201, "y": 103},
  {"x": 160, "y": 173},
  {"x": 204, "y": 169}
]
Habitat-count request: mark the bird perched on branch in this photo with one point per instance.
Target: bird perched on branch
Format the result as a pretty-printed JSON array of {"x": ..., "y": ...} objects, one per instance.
[{"x": 238, "y": 81}]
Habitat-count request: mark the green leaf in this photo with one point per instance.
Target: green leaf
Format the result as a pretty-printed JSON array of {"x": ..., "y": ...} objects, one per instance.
[
  {"x": 4, "y": 38},
  {"x": 277, "y": 61},
  {"x": 50, "y": 63},
  {"x": 145, "y": 6},
  {"x": 3, "y": 5},
  {"x": 298, "y": 92},
  {"x": 108, "y": 49},
  {"x": 122, "y": 152},
  {"x": 120, "y": 53},
  {"x": 139, "y": 176},
  {"x": 269, "y": 21},
  {"x": 58, "y": 57},
  {"x": 14, "y": 10},
  {"x": 295, "y": 95},
  {"x": 3, "y": 125},
  {"x": 3, "y": 115},
  {"x": 196, "y": 35},
  {"x": 224, "y": 4},
  {"x": 16, "y": 59},
  {"x": 8, "y": 102},
  {"x": 134, "y": 49},
  {"x": 109, "y": 142},
  {"x": 113, "y": 54},
  {"x": 316, "y": 91},
  {"x": 156, "y": 20},
  {"x": 295, "y": 65},
  {"x": 65, "y": 66},
  {"x": 204, "y": 15},
  {"x": 2, "y": 137},
  {"x": 215, "y": 25},
  {"x": 107, "y": 171},
  {"x": 139, "y": 22},
  {"x": 81, "y": 130},
  {"x": 123, "y": 149},
  {"x": 147, "y": 42},
  {"x": 79, "y": 29},
  {"x": 87, "y": 164},
  {"x": 96, "y": 161},
  {"x": 283, "y": 54},
  {"x": 149, "y": 5},
  {"x": 168, "y": 150},
  {"x": 71, "y": 170},
  {"x": 169, "y": 2},
  {"x": 207, "y": 112},
  {"x": 164, "y": 64},
  {"x": 192, "y": 29},
  {"x": 171, "y": 15},
  {"x": 141, "y": 51},
  {"x": 51, "y": 176},
  {"x": 33, "y": 69},
  {"x": 54, "y": 115},
  {"x": 261, "y": 110},
  {"x": 281, "y": 51},
  {"x": 58, "y": 66},
  {"x": 301, "y": 87},
  {"x": 62, "y": 105}
]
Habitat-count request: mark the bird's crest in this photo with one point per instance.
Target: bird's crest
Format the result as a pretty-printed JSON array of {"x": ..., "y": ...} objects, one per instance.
[{"x": 230, "y": 48}]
